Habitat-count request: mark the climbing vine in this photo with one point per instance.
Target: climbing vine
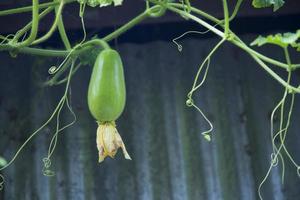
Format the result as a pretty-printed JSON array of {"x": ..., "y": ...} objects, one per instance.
[{"x": 25, "y": 41}]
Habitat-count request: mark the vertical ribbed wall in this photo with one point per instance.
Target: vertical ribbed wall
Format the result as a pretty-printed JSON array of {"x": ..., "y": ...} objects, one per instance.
[{"x": 171, "y": 160}]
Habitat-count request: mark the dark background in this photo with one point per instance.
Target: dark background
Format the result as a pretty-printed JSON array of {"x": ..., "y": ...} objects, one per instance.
[{"x": 171, "y": 160}]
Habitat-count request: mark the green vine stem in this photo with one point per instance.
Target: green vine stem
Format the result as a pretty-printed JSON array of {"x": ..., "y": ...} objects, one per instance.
[
  {"x": 136, "y": 20},
  {"x": 56, "y": 111},
  {"x": 31, "y": 136},
  {"x": 241, "y": 45},
  {"x": 28, "y": 26},
  {"x": 62, "y": 31},
  {"x": 87, "y": 45},
  {"x": 283, "y": 128},
  {"x": 226, "y": 18},
  {"x": 220, "y": 22},
  {"x": 196, "y": 19},
  {"x": 34, "y": 26},
  {"x": 38, "y": 51},
  {"x": 160, "y": 11},
  {"x": 196, "y": 86},
  {"x": 54, "y": 25},
  {"x": 257, "y": 57},
  {"x": 288, "y": 59},
  {"x": 184, "y": 9},
  {"x": 29, "y": 8},
  {"x": 236, "y": 9},
  {"x": 53, "y": 142}
]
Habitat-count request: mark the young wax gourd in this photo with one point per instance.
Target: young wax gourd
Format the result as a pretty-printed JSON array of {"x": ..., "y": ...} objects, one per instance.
[
  {"x": 106, "y": 101},
  {"x": 107, "y": 93}
]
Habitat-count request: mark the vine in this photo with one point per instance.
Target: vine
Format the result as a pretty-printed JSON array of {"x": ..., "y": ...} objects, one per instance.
[
  {"x": 26, "y": 40},
  {"x": 284, "y": 119}
]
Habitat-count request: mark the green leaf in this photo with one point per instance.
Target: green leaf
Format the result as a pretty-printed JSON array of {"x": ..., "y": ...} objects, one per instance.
[
  {"x": 2, "y": 162},
  {"x": 296, "y": 46},
  {"x": 268, "y": 3},
  {"x": 101, "y": 3},
  {"x": 282, "y": 40}
]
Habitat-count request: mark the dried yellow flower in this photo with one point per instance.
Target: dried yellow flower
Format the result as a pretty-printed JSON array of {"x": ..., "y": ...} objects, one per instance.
[{"x": 108, "y": 141}]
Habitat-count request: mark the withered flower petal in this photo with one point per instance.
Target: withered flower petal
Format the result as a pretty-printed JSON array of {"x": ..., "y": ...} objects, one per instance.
[{"x": 108, "y": 141}]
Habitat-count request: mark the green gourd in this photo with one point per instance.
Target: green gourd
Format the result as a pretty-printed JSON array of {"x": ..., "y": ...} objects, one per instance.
[
  {"x": 106, "y": 101},
  {"x": 107, "y": 93}
]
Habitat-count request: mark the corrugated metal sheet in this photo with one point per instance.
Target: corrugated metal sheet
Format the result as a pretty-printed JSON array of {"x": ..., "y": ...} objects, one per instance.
[{"x": 171, "y": 160}]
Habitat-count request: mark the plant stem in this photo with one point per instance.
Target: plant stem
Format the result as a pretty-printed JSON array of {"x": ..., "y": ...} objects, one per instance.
[
  {"x": 85, "y": 46},
  {"x": 95, "y": 42},
  {"x": 42, "y": 52},
  {"x": 27, "y": 27},
  {"x": 236, "y": 9},
  {"x": 240, "y": 44},
  {"x": 195, "y": 86},
  {"x": 171, "y": 6},
  {"x": 274, "y": 75},
  {"x": 197, "y": 11},
  {"x": 130, "y": 24},
  {"x": 287, "y": 57},
  {"x": 54, "y": 25},
  {"x": 62, "y": 31},
  {"x": 219, "y": 22},
  {"x": 226, "y": 18},
  {"x": 196, "y": 19},
  {"x": 34, "y": 26},
  {"x": 29, "y": 8}
]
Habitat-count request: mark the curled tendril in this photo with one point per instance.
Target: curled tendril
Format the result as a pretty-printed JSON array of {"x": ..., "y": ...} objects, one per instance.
[
  {"x": 189, "y": 102},
  {"x": 47, "y": 165},
  {"x": 64, "y": 99},
  {"x": 274, "y": 159},
  {"x": 52, "y": 146},
  {"x": 1, "y": 182},
  {"x": 179, "y": 46},
  {"x": 49, "y": 173},
  {"x": 52, "y": 70},
  {"x": 263, "y": 181},
  {"x": 47, "y": 162},
  {"x": 196, "y": 86},
  {"x": 206, "y": 133},
  {"x": 276, "y": 151},
  {"x": 283, "y": 128}
]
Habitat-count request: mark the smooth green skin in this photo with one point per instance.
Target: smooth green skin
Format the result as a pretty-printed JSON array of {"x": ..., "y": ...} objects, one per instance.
[{"x": 107, "y": 93}]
